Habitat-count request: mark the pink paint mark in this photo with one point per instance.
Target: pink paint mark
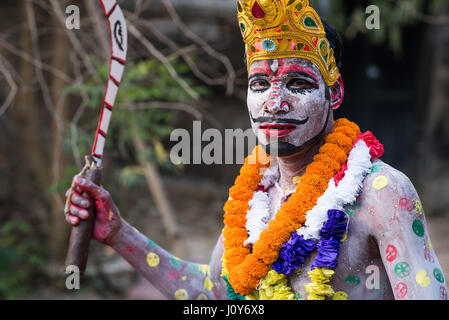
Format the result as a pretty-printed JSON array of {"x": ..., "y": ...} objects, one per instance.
[
  {"x": 173, "y": 274},
  {"x": 406, "y": 204},
  {"x": 294, "y": 67},
  {"x": 443, "y": 293},
  {"x": 129, "y": 249},
  {"x": 401, "y": 290},
  {"x": 391, "y": 253},
  {"x": 428, "y": 255}
]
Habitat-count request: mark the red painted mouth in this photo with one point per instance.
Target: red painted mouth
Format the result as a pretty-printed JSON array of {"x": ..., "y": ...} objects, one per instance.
[{"x": 276, "y": 129}]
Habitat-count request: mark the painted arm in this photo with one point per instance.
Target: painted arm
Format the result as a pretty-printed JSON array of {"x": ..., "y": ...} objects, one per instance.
[
  {"x": 399, "y": 227},
  {"x": 175, "y": 278}
]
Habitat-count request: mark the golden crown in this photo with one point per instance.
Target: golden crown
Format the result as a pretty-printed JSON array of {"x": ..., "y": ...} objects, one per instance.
[{"x": 274, "y": 29}]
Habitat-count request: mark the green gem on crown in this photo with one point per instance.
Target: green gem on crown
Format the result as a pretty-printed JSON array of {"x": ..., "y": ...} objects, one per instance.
[{"x": 309, "y": 22}]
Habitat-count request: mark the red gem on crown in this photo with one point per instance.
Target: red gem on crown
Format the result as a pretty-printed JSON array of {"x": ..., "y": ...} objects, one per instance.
[{"x": 257, "y": 11}]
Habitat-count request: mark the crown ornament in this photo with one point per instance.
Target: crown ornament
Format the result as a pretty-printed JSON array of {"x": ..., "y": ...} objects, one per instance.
[{"x": 273, "y": 29}]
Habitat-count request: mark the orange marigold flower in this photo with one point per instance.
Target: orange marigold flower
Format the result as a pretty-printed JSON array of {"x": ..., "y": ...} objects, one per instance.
[
  {"x": 333, "y": 151},
  {"x": 346, "y": 123},
  {"x": 238, "y": 193},
  {"x": 236, "y": 207},
  {"x": 235, "y": 256},
  {"x": 341, "y": 140},
  {"x": 234, "y": 220},
  {"x": 315, "y": 180},
  {"x": 242, "y": 283},
  {"x": 324, "y": 158},
  {"x": 347, "y": 131},
  {"x": 320, "y": 168},
  {"x": 235, "y": 233}
]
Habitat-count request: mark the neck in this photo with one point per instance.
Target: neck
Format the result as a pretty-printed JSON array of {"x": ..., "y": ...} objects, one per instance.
[{"x": 295, "y": 165}]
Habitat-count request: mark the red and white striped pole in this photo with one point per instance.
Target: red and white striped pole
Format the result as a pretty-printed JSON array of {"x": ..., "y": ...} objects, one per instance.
[
  {"x": 81, "y": 234},
  {"x": 119, "y": 43}
]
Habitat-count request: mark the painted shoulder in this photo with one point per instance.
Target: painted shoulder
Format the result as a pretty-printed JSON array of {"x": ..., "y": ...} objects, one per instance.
[
  {"x": 383, "y": 190},
  {"x": 384, "y": 178}
]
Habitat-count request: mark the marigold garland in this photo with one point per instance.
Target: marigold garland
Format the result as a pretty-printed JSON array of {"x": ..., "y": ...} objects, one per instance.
[{"x": 246, "y": 269}]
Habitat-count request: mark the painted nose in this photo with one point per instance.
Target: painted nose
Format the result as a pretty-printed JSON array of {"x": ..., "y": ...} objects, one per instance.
[{"x": 275, "y": 106}]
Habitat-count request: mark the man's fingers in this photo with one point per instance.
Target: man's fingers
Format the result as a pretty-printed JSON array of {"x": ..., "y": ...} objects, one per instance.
[
  {"x": 78, "y": 212},
  {"x": 79, "y": 200},
  {"x": 72, "y": 219}
]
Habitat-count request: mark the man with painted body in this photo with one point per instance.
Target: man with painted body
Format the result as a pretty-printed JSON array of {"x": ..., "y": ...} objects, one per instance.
[{"x": 387, "y": 253}]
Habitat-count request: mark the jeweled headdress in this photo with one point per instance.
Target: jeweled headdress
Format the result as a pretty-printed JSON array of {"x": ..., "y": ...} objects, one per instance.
[{"x": 274, "y": 29}]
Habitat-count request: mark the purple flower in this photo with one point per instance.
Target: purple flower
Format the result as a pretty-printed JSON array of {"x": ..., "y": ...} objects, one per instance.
[
  {"x": 335, "y": 226},
  {"x": 327, "y": 254},
  {"x": 293, "y": 254},
  {"x": 329, "y": 245}
]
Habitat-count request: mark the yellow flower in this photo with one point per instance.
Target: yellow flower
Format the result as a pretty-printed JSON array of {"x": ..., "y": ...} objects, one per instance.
[
  {"x": 318, "y": 289},
  {"x": 274, "y": 286}
]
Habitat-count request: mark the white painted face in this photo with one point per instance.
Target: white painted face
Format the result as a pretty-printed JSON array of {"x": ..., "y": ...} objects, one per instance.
[{"x": 289, "y": 103}]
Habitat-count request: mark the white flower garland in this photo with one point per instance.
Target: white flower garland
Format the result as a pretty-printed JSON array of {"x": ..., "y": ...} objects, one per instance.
[{"x": 335, "y": 197}]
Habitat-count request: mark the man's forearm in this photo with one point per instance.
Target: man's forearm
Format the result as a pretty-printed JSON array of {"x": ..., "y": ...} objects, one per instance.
[{"x": 175, "y": 278}]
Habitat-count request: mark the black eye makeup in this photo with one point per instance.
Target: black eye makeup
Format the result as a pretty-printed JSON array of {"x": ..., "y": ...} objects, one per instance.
[
  {"x": 298, "y": 85},
  {"x": 259, "y": 85}
]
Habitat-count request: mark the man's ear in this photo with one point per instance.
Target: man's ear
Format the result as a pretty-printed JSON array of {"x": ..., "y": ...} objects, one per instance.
[{"x": 337, "y": 92}]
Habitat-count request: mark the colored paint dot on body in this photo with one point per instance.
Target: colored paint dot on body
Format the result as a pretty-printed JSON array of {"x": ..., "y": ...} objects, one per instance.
[
  {"x": 438, "y": 275},
  {"x": 380, "y": 182},
  {"x": 351, "y": 209},
  {"x": 353, "y": 281},
  {"x": 181, "y": 294},
  {"x": 418, "y": 206},
  {"x": 401, "y": 290},
  {"x": 418, "y": 228},
  {"x": 204, "y": 268},
  {"x": 175, "y": 262},
  {"x": 340, "y": 295},
  {"x": 391, "y": 253},
  {"x": 422, "y": 279},
  {"x": 151, "y": 243},
  {"x": 402, "y": 269},
  {"x": 153, "y": 259},
  {"x": 376, "y": 167},
  {"x": 429, "y": 244},
  {"x": 208, "y": 284},
  {"x": 193, "y": 268}
]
